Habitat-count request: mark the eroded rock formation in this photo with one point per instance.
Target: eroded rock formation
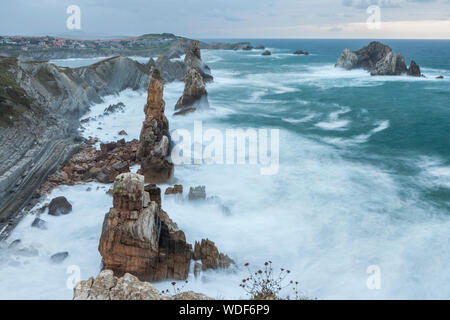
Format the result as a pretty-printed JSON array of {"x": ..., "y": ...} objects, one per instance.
[
  {"x": 154, "y": 138},
  {"x": 194, "y": 95},
  {"x": 136, "y": 237},
  {"x": 139, "y": 238},
  {"x": 109, "y": 287},
  {"x": 211, "y": 258},
  {"x": 193, "y": 60},
  {"x": 377, "y": 58}
]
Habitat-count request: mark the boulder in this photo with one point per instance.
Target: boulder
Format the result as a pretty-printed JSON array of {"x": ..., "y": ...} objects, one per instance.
[
  {"x": 414, "y": 69},
  {"x": 266, "y": 53},
  {"x": 136, "y": 237},
  {"x": 440, "y": 77},
  {"x": 154, "y": 139},
  {"x": 109, "y": 287},
  {"x": 123, "y": 133},
  {"x": 59, "y": 257},
  {"x": 58, "y": 206}
]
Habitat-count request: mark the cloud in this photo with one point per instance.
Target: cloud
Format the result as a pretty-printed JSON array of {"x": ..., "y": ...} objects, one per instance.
[{"x": 363, "y": 4}]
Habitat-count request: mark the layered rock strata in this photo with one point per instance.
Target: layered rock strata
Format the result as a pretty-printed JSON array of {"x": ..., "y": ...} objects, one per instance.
[
  {"x": 136, "y": 237},
  {"x": 154, "y": 141}
]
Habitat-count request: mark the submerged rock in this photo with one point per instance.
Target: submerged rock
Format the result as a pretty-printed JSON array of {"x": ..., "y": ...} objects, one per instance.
[
  {"x": 298, "y": 52},
  {"x": 59, "y": 205},
  {"x": 440, "y": 77},
  {"x": 108, "y": 287},
  {"x": 59, "y": 257},
  {"x": 378, "y": 59},
  {"x": 260, "y": 47},
  {"x": 113, "y": 108},
  {"x": 154, "y": 139},
  {"x": 266, "y": 53},
  {"x": 39, "y": 223}
]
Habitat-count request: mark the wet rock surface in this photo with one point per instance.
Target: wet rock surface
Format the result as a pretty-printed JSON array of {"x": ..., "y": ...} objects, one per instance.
[{"x": 58, "y": 206}]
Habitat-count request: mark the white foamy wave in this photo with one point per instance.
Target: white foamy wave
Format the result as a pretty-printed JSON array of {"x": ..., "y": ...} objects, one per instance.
[{"x": 334, "y": 123}]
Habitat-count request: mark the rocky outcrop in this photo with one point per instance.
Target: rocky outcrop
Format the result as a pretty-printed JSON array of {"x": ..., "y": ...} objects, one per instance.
[
  {"x": 197, "y": 193},
  {"x": 301, "y": 52},
  {"x": 207, "y": 252},
  {"x": 194, "y": 95},
  {"x": 136, "y": 238},
  {"x": 266, "y": 53},
  {"x": 377, "y": 58},
  {"x": 193, "y": 60},
  {"x": 414, "y": 69},
  {"x": 109, "y": 287},
  {"x": 154, "y": 138},
  {"x": 175, "y": 190}
]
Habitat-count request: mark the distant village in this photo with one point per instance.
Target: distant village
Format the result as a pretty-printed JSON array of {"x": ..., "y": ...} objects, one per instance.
[{"x": 30, "y": 43}]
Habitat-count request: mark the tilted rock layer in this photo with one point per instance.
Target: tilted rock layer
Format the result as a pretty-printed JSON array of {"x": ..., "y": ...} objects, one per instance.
[
  {"x": 154, "y": 137},
  {"x": 136, "y": 238},
  {"x": 377, "y": 58}
]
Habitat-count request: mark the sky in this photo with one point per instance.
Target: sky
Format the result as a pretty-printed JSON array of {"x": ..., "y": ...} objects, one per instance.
[{"x": 213, "y": 19}]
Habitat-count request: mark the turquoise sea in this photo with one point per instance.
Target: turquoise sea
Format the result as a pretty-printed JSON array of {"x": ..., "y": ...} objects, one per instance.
[{"x": 363, "y": 181}]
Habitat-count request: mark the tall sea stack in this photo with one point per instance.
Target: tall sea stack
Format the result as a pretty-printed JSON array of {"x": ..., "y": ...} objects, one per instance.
[
  {"x": 154, "y": 144},
  {"x": 197, "y": 75}
]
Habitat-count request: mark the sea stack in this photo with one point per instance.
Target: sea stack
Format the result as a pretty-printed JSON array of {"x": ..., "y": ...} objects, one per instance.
[
  {"x": 197, "y": 75},
  {"x": 377, "y": 58},
  {"x": 195, "y": 96},
  {"x": 193, "y": 59},
  {"x": 154, "y": 142},
  {"x": 139, "y": 238}
]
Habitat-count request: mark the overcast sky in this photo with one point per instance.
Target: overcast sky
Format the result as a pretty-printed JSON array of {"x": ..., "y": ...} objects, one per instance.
[{"x": 231, "y": 18}]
